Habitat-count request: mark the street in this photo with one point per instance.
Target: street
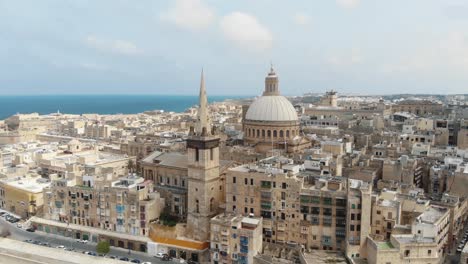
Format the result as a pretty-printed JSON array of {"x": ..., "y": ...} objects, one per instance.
[{"x": 55, "y": 240}]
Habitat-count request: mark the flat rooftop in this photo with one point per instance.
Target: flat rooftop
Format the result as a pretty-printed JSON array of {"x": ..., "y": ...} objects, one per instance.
[
  {"x": 432, "y": 214},
  {"x": 28, "y": 184}
]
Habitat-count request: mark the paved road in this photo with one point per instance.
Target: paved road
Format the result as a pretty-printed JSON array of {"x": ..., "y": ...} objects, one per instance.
[{"x": 56, "y": 240}]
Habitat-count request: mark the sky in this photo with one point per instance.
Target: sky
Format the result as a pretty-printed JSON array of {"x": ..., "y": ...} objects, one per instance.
[{"x": 160, "y": 46}]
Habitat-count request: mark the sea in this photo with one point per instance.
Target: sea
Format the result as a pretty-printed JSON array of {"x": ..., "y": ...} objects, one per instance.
[{"x": 99, "y": 104}]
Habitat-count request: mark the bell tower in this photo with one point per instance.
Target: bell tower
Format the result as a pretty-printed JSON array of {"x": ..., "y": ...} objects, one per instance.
[{"x": 204, "y": 185}]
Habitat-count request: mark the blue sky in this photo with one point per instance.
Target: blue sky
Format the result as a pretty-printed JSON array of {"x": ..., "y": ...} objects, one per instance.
[{"x": 160, "y": 46}]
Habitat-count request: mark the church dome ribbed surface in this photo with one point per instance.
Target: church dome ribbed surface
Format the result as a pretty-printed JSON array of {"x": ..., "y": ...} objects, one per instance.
[{"x": 271, "y": 108}]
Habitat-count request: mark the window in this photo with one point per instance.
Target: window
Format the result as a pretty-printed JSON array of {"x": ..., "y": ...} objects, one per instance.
[
  {"x": 389, "y": 215},
  {"x": 251, "y": 181},
  {"x": 352, "y": 216},
  {"x": 211, "y": 154},
  {"x": 197, "y": 206},
  {"x": 246, "y": 181},
  {"x": 429, "y": 252},
  {"x": 246, "y": 210},
  {"x": 358, "y": 228},
  {"x": 251, "y": 210},
  {"x": 197, "y": 155},
  {"x": 378, "y": 212},
  {"x": 233, "y": 198},
  {"x": 351, "y": 227},
  {"x": 283, "y": 185},
  {"x": 407, "y": 253},
  {"x": 233, "y": 179},
  {"x": 359, "y": 217}
]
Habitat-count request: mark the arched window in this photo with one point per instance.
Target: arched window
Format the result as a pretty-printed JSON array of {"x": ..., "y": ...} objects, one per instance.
[
  {"x": 287, "y": 133},
  {"x": 258, "y": 133},
  {"x": 263, "y": 132},
  {"x": 197, "y": 206},
  {"x": 269, "y": 133},
  {"x": 281, "y": 133},
  {"x": 275, "y": 134}
]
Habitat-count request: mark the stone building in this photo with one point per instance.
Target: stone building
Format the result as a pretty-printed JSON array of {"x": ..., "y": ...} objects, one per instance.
[
  {"x": 418, "y": 107},
  {"x": 123, "y": 205},
  {"x": 235, "y": 239}
]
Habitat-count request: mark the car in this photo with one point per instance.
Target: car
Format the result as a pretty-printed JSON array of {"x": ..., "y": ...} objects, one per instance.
[
  {"x": 146, "y": 262},
  {"x": 60, "y": 247},
  {"x": 28, "y": 241},
  {"x": 30, "y": 229},
  {"x": 135, "y": 261},
  {"x": 69, "y": 249},
  {"x": 92, "y": 253},
  {"x": 84, "y": 241},
  {"x": 191, "y": 261},
  {"x": 124, "y": 259},
  {"x": 111, "y": 257},
  {"x": 159, "y": 255}
]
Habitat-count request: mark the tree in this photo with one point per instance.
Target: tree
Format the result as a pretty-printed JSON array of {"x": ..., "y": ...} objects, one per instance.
[
  {"x": 103, "y": 247},
  {"x": 131, "y": 166}
]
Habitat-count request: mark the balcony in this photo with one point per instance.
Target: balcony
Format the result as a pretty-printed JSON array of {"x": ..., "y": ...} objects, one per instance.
[
  {"x": 266, "y": 206},
  {"x": 265, "y": 185}
]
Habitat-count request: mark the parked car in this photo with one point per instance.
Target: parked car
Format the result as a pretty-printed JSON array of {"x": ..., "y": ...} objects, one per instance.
[
  {"x": 92, "y": 253},
  {"x": 135, "y": 261},
  {"x": 60, "y": 247},
  {"x": 30, "y": 229},
  {"x": 159, "y": 255},
  {"x": 146, "y": 262},
  {"x": 124, "y": 259}
]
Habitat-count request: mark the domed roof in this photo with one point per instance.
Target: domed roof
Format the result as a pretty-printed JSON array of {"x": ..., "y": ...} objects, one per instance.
[{"x": 271, "y": 108}]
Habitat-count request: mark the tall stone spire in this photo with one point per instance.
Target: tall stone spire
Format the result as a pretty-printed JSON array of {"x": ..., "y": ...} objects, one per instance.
[{"x": 203, "y": 125}]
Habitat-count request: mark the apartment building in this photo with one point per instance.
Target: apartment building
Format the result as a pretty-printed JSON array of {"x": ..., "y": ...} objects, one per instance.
[
  {"x": 123, "y": 205},
  {"x": 235, "y": 238}
]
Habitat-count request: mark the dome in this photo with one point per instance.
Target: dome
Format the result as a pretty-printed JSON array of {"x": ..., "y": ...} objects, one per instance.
[{"x": 271, "y": 108}]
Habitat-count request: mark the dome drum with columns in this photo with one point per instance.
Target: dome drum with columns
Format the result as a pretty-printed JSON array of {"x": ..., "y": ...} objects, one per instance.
[{"x": 271, "y": 119}]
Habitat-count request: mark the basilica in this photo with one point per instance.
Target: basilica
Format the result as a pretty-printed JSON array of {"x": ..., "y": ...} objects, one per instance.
[{"x": 271, "y": 121}]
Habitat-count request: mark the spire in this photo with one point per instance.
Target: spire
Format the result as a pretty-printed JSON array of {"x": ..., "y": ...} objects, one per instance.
[{"x": 203, "y": 125}]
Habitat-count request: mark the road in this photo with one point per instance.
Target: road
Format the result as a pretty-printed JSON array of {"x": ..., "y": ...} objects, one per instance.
[{"x": 56, "y": 240}]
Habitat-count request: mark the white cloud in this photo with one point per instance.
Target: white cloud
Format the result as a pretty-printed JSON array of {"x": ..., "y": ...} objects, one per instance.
[
  {"x": 246, "y": 32},
  {"x": 114, "y": 46},
  {"x": 349, "y": 4},
  {"x": 301, "y": 19},
  {"x": 189, "y": 14}
]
